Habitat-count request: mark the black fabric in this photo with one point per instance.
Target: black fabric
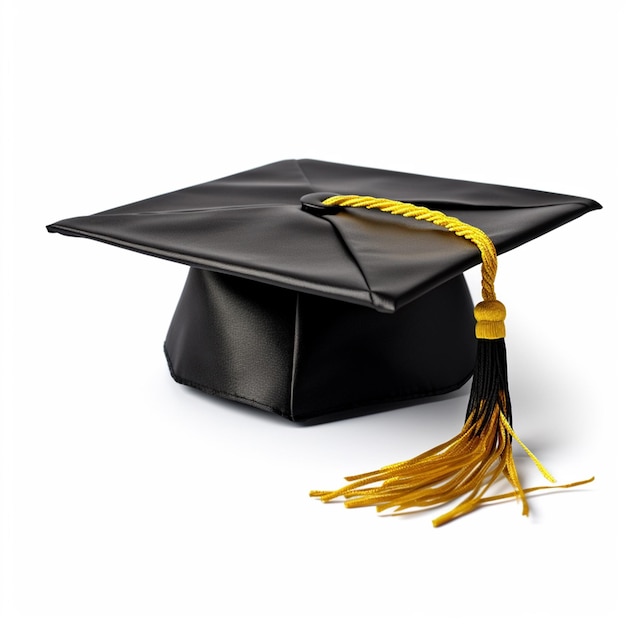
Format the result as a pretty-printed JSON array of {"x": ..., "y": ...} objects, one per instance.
[
  {"x": 309, "y": 358},
  {"x": 252, "y": 225},
  {"x": 287, "y": 303}
]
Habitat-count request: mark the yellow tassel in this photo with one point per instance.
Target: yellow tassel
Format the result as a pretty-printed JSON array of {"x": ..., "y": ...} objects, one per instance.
[{"x": 467, "y": 465}]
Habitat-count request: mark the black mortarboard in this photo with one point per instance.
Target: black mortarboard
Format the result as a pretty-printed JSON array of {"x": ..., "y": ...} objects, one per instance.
[{"x": 316, "y": 311}]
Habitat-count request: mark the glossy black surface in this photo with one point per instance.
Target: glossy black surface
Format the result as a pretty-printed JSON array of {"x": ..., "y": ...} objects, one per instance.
[
  {"x": 310, "y": 358},
  {"x": 252, "y": 225},
  {"x": 287, "y": 305}
]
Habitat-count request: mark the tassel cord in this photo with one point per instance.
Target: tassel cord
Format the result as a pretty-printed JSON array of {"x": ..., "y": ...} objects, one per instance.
[{"x": 470, "y": 463}]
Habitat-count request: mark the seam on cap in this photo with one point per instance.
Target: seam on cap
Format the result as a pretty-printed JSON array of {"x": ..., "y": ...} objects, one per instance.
[
  {"x": 306, "y": 178},
  {"x": 295, "y": 350},
  {"x": 354, "y": 258}
]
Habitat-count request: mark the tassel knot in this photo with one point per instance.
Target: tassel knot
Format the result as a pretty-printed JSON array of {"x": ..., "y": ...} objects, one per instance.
[{"x": 490, "y": 315}]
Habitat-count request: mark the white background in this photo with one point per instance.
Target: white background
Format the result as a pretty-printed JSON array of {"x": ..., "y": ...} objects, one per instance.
[{"x": 128, "y": 499}]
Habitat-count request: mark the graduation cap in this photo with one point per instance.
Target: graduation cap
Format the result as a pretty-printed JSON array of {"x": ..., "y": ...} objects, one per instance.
[{"x": 310, "y": 294}]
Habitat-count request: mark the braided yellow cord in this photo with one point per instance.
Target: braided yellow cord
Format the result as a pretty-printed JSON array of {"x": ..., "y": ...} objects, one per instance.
[{"x": 454, "y": 225}]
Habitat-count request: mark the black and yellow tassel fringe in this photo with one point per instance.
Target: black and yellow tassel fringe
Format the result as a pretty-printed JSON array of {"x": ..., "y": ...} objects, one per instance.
[{"x": 467, "y": 465}]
